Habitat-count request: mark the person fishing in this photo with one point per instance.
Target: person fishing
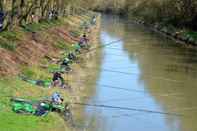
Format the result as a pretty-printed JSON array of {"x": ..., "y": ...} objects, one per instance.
[
  {"x": 71, "y": 56},
  {"x": 56, "y": 98},
  {"x": 83, "y": 42},
  {"x": 50, "y": 15},
  {"x": 65, "y": 64},
  {"x": 77, "y": 48},
  {"x": 56, "y": 15},
  {"x": 2, "y": 16},
  {"x": 33, "y": 17},
  {"x": 58, "y": 80},
  {"x": 93, "y": 20}
]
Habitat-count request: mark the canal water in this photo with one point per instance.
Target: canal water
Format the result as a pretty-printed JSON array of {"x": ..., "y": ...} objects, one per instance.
[{"x": 146, "y": 83}]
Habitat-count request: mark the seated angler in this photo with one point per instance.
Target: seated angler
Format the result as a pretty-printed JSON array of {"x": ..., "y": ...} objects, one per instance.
[
  {"x": 93, "y": 22},
  {"x": 71, "y": 56},
  {"x": 56, "y": 98},
  {"x": 77, "y": 48},
  {"x": 65, "y": 64},
  {"x": 83, "y": 42},
  {"x": 2, "y": 16},
  {"x": 58, "y": 80}
]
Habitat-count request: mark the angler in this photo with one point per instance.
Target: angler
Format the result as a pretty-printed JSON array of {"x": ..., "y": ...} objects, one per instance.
[
  {"x": 58, "y": 80},
  {"x": 2, "y": 17},
  {"x": 72, "y": 56},
  {"x": 83, "y": 42},
  {"x": 65, "y": 65},
  {"x": 42, "y": 107}
]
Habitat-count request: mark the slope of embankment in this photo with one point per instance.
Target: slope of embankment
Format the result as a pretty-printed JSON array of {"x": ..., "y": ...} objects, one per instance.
[{"x": 30, "y": 51}]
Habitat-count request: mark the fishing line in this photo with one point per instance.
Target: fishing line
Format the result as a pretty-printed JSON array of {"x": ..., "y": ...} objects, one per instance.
[
  {"x": 128, "y": 73},
  {"x": 126, "y": 115},
  {"x": 121, "y": 67},
  {"x": 124, "y": 89},
  {"x": 153, "y": 77},
  {"x": 161, "y": 54},
  {"x": 110, "y": 86},
  {"x": 172, "y": 56},
  {"x": 179, "y": 67},
  {"x": 119, "y": 49},
  {"x": 103, "y": 45},
  {"x": 167, "y": 55},
  {"x": 139, "y": 91},
  {"x": 164, "y": 55},
  {"x": 110, "y": 54},
  {"x": 133, "y": 90},
  {"x": 186, "y": 109},
  {"x": 127, "y": 108}
]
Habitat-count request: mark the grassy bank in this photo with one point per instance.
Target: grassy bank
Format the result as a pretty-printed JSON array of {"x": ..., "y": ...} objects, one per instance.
[{"x": 24, "y": 51}]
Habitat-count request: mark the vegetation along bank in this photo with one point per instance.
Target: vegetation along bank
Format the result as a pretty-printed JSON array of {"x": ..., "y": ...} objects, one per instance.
[{"x": 174, "y": 18}]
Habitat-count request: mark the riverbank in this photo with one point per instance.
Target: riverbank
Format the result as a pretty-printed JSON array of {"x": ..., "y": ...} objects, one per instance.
[
  {"x": 184, "y": 36},
  {"x": 25, "y": 51}
]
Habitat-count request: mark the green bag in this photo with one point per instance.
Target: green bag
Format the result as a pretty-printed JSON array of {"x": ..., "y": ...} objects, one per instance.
[
  {"x": 77, "y": 46},
  {"x": 20, "y": 107}
]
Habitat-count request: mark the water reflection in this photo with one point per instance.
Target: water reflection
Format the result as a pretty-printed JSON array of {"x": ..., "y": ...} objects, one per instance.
[{"x": 163, "y": 57}]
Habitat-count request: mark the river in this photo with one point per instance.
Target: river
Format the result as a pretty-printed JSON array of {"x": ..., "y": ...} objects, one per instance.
[{"x": 146, "y": 83}]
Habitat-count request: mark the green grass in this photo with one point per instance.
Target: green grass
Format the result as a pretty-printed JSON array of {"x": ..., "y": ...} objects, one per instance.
[
  {"x": 9, "y": 45},
  {"x": 43, "y": 25},
  {"x": 61, "y": 44},
  {"x": 192, "y": 34},
  {"x": 9, "y": 39},
  {"x": 36, "y": 73},
  {"x": 15, "y": 87},
  {"x": 14, "y": 122},
  {"x": 12, "y": 35},
  {"x": 75, "y": 33}
]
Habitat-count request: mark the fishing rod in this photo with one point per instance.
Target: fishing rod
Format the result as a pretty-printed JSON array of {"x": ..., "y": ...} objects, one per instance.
[
  {"x": 125, "y": 115},
  {"x": 128, "y": 73},
  {"x": 178, "y": 66},
  {"x": 127, "y": 108},
  {"x": 129, "y": 90},
  {"x": 138, "y": 91},
  {"x": 144, "y": 53},
  {"x": 162, "y": 54},
  {"x": 119, "y": 88},
  {"x": 153, "y": 77},
  {"x": 113, "y": 48},
  {"x": 109, "y": 86},
  {"x": 127, "y": 99},
  {"x": 167, "y": 55},
  {"x": 104, "y": 45},
  {"x": 117, "y": 55}
]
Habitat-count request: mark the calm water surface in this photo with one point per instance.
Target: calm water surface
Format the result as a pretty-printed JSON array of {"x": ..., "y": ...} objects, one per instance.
[{"x": 143, "y": 71}]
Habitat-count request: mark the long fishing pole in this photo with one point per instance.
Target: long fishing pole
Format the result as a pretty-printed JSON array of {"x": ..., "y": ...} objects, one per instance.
[
  {"x": 119, "y": 88},
  {"x": 126, "y": 73},
  {"x": 166, "y": 55},
  {"x": 138, "y": 91},
  {"x": 104, "y": 45},
  {"x": 127, "y": 108},
  {"x": 129, "y": 90},
  {"x": 179, "y": 66},
  {"x": 129, "y": 73},
  {"x": 154, "y": 77}
]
